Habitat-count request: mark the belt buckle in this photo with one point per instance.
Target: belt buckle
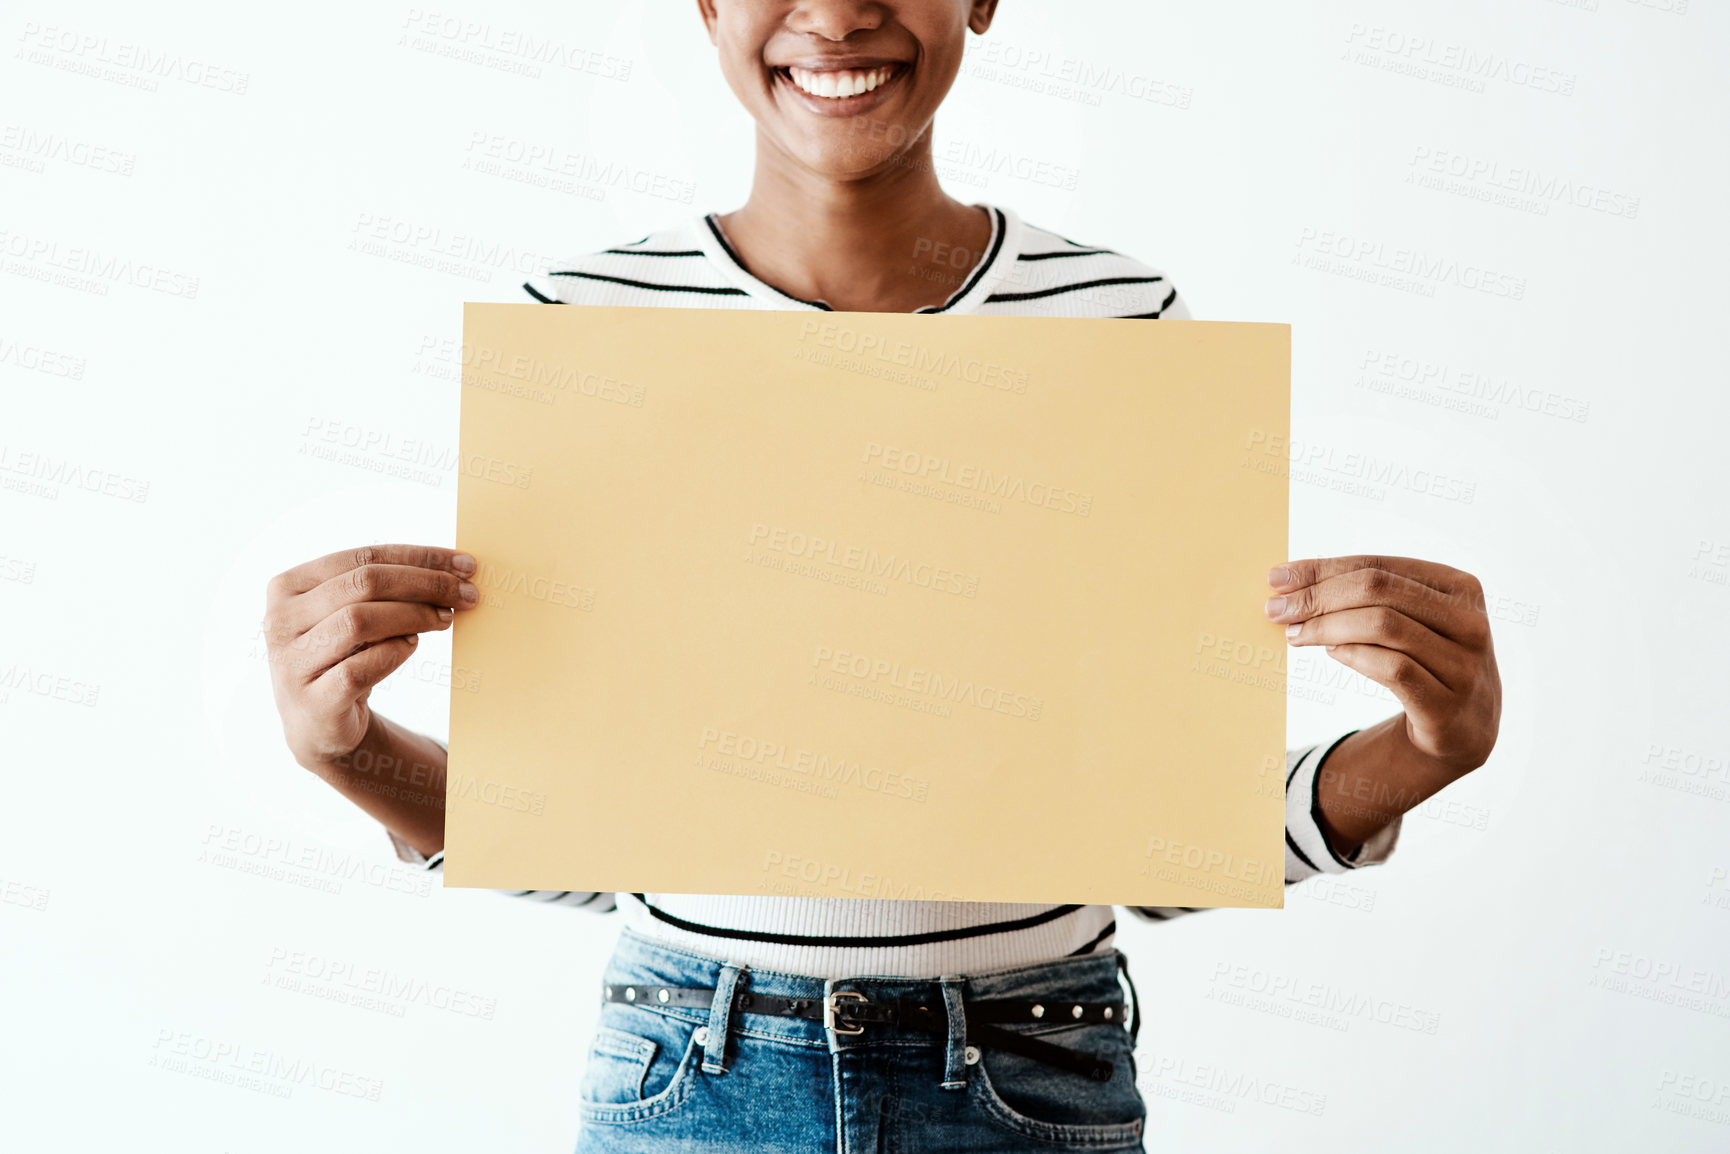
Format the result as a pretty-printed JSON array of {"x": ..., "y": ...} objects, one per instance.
[{"x": 829, "y": 1022}]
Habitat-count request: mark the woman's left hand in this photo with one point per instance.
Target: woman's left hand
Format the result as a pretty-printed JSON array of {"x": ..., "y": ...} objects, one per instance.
[{"x": 1416, "y": 627}]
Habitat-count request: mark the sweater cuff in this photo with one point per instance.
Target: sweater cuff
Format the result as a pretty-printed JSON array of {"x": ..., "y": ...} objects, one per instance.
[
  {"x": 1308, "y": 851},
  {"x": 408, "y": 853}
]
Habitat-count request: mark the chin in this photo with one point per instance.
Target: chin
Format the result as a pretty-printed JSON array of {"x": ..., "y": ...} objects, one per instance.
[{"x": 843, "y": 163}]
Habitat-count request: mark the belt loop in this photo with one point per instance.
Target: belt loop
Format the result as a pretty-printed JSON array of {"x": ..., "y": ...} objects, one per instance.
[
  {"x": 955, "y": 1048},
  {"x": 721, "y": 1018},
  {"x": 1134, "y": 999}
]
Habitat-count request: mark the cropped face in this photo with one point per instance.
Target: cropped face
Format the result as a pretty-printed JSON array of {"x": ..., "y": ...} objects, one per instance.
[{"x": 842, "y": 87}]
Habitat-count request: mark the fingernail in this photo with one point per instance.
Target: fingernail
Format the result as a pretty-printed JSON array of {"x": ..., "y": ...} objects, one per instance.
[
  {"x": 1275, "y": 606},
  {"x": 468, "y": 592},
  {"x": 446, "y": 614},
  {"x": 463, "y": 564},
  {"x": 1278, "y": 576},
  {"x": 1294, "y": 630},
  {"x": 413, "y": 639}
]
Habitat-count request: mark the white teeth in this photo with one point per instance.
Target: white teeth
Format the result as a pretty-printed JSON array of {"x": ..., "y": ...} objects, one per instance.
[{"x": 839, "y": 84}]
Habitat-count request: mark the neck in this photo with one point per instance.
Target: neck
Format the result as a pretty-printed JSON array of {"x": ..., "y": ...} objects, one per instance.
[{"x": 870, "y": 244}]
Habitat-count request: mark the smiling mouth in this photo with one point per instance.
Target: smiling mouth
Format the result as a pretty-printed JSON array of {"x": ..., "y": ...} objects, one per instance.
[{"x": 841, "y": 86}]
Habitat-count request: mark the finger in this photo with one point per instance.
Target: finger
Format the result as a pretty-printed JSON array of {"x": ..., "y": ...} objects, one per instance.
[
  {"x": 1443, "y": 612},
  {"x": 315, "y": 573},
  {"x": 378, "y": 582},
  {"x": 339, "y": 685},
  {"x": 1379, "y": 625},
  {"x": 1296, "y": 574},
  {"x": 1417, "y": 690},
  {"x": 354, "y": 627}
]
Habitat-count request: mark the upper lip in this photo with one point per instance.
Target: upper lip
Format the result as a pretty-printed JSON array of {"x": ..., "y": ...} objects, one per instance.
[{"x": 839, "y": 63}]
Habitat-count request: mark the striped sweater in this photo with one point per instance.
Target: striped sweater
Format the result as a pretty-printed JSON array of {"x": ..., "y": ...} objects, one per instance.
[{"x": 1024, "y": 271}]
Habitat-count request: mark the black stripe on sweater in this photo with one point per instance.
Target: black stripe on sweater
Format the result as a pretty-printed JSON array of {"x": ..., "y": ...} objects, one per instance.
[
  {"x": 1002, "y": 298},
  {"x": 1060, "y": 254},
  {"x": 860, "y": 940},
  {"x": 1315, "y": 801},
  {"x": 1301, "y": 856},
  {"x": 643, "y": 284},
  {"x": 1110, "y": 929},
  {"x": 721, "y": 239},
  {"x": 999, "y": 227},
  {"x": 1157, "y": 313}
]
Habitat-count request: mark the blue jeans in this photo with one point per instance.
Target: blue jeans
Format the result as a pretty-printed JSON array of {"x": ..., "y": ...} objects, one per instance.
[{"x": 710, "y": 1079}]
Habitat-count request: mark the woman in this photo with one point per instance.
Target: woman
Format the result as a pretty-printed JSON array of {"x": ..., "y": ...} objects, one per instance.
[{"x": 801, "y": 1023}]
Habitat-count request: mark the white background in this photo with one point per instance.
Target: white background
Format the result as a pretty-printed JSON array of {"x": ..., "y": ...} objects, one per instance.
[{"x": 1561, "y": 918}]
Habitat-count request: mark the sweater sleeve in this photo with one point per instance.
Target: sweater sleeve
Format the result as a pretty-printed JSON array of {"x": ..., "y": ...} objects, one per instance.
[
  {"x": 598, "y": 902},
  {"x": 1176, "y": 308},
  {"x": 1307, "y": 852}
]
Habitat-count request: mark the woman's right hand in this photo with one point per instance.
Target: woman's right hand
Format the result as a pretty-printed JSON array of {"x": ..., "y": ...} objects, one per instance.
[{"x": 337, "y": 626}]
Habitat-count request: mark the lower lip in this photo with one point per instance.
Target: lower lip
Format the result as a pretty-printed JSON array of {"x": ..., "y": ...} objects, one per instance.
[{"x": 841, "y": 105}]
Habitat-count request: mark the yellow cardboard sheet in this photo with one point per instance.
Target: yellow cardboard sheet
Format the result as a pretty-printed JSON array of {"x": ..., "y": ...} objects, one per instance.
[{"x": 870, "y": 605}]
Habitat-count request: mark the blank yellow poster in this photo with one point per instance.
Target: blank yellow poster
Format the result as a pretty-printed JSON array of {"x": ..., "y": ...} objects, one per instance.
[{"x": 870, "y": 605}]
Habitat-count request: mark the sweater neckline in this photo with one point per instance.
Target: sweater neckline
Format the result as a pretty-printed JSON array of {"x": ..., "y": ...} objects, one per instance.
[{"x": 1000, "y": 253}]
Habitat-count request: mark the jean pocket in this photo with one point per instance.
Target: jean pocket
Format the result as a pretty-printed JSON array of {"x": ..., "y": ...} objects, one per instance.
[
  {"x": 637, "y": 1069},
  {"x": 1054, "y": 1105}
]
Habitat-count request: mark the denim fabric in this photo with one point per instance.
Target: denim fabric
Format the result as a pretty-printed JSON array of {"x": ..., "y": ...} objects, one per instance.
[{"x": 705, "y": 1078}]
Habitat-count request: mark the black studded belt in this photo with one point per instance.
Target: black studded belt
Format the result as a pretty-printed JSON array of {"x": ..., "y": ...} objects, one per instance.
[{"x": 849, "y": 1012}]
